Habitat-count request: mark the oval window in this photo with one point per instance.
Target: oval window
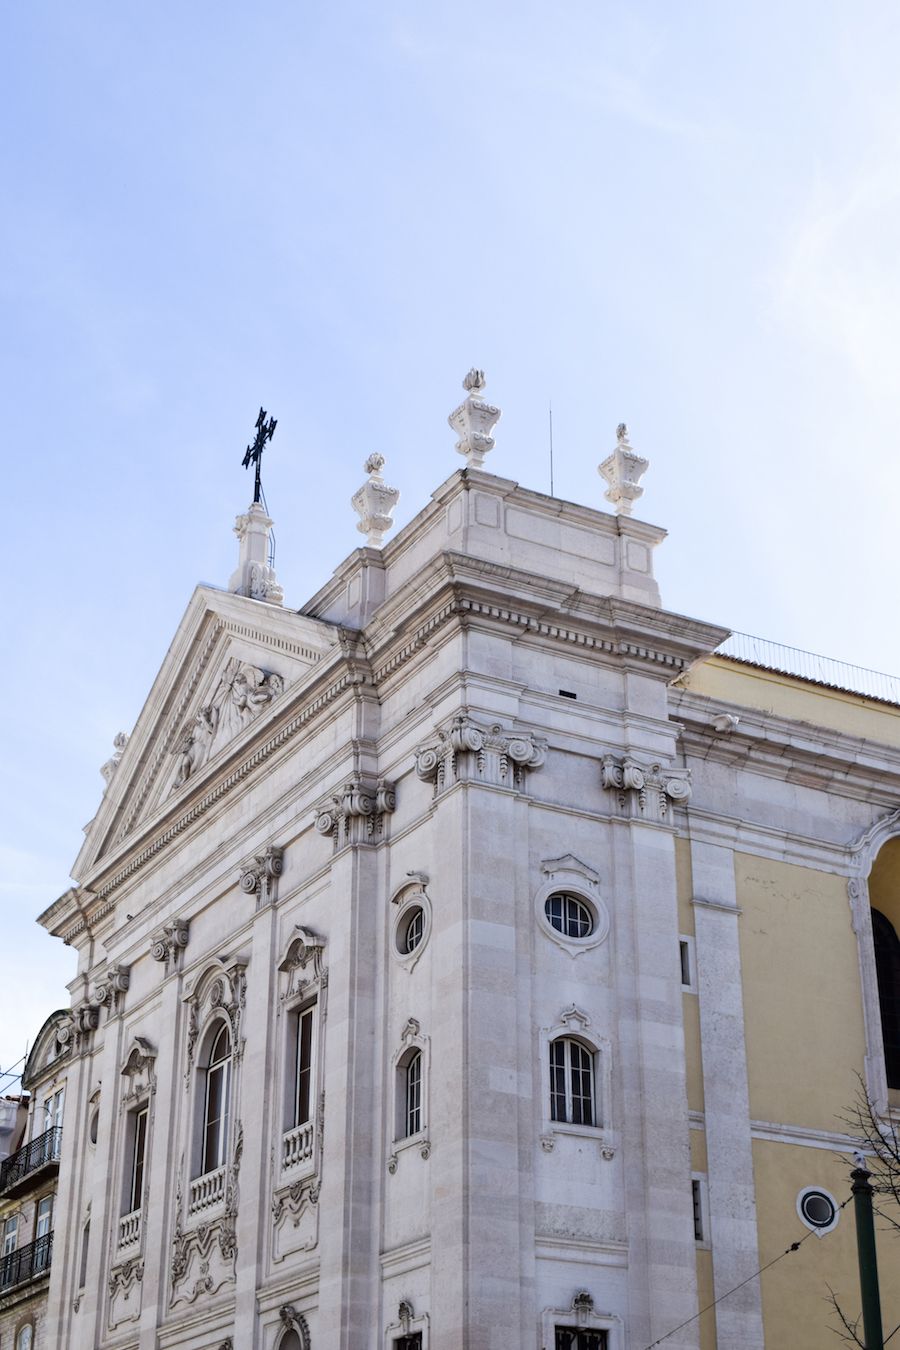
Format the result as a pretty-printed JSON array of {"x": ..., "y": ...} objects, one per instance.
[
  {"x": 411, "y": 930},
  {"x": 818, "y": 1210},
  {"x": 569, "y": 915}
]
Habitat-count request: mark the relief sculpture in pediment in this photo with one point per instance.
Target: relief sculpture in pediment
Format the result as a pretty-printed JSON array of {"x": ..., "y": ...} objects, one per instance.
[{"x": 241, "y": 694}]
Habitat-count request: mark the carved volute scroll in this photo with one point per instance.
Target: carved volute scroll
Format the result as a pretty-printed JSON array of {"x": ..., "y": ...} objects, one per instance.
[
  {"x": 109, "y": 988},
  {"x": 644, "y": 791},
  {"x": 466, "y": 751},
  {"x": 259, "y": 875},
  {"x": 167, "y": 945},
  {"x": 356, "y": 814}
]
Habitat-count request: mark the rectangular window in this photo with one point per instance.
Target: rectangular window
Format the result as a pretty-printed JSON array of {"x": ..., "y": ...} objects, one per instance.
[
  {"x": 10, "y": 1234},
  {"x": 570, "y": 1338},
  {"x": 701, "y": 1208},
  {"x": 303, "y": 1073},
  {"x": 413, "y": 1342},
  {"x": 53, "y": 1110},
  {"x": 44, "y": 1216},
  {"x": 134, "y": 1198},
  {"x": 557, "y": 1080},
  {"x": 216, "y": 1131},
  {"x": 685, "y": 951}
]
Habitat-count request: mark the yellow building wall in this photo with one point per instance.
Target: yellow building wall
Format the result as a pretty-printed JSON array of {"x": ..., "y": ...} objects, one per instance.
[
  {"x": 802, "y": 1004},
  {"x": 797, "y": 1313},
  {"x": 787, "y": 696},
  {"x": 690, "y": 1002}
]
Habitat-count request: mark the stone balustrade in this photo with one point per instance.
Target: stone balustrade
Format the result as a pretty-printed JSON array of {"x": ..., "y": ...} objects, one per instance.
[
  {"x": 129, "y": 1228},
  {"x": 207, "y": 1190},
  {"x": 297, "y": 1146}
]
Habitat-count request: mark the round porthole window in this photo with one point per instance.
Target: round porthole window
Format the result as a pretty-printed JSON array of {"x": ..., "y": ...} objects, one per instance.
[
  {"x": 569, "y": 915},
  {"x": 818, "y": 1209},
  {"x": 410, "y": 930}
]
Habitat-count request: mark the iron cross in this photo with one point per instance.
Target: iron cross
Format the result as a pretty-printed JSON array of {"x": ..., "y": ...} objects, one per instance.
[{"x": 253, "y": 454}]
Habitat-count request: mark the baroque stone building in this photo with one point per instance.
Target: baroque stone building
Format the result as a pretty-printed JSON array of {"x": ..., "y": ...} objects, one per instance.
[{"x": 467, "y": 959}]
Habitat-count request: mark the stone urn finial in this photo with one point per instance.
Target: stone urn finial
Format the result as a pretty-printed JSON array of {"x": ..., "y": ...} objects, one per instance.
[
  {"x": 623, "y": 471},
  {"x": 474, "y": 420},
  {"x": 374, "y": 503}
]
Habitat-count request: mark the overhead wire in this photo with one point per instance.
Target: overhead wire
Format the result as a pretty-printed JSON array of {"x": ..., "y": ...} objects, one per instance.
[{"x": 768, "y": 1266}]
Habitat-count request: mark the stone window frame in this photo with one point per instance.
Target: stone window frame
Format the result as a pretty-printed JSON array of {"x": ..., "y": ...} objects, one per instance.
[
  {"x": 581, "y": 1315},
  {"x": 570, "y": 875},
  {"x": 862, "y": 855},
  {"x": 304, "y": 984},
  {"x": 408, "y": 1323},
  {"x": 411, "y": 1041},
  {"x": 575, "y": 1025},
  {"x": 412, "y": 895}
]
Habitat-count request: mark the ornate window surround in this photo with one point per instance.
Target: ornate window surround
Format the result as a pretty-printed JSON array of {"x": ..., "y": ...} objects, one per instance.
[
  {"x": 139, "y": 1075},
  {"x": 581, "y": 1315},
  {"x": 408, "y": 1323},
  {"x": 574, "y": 1024},
  {"x": 411, "y": 1039},
  {"x": 411, "y": 895},
  {"x": 569, "y": 873},
  {"x": 304, "y": 984}
]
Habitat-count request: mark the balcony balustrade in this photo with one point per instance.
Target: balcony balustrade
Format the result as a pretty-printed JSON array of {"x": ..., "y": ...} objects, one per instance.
[
  {"x": 26, "y": 1263},
  {"x": 129, "y": 1229},
  {"x": 18, "y": 1172},
  {"x": 297, "y": 1146},
  {"x": 207, "y": 1191}
]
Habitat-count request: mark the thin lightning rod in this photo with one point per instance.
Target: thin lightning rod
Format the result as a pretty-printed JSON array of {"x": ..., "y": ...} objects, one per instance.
[{"x": 551, "y": 449}]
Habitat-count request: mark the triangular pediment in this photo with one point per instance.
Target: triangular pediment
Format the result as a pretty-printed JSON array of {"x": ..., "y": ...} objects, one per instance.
[{"x": 229, "y": 668}]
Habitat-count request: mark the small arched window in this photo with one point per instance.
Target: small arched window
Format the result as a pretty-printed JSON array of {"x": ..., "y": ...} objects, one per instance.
[
  {"x": 887, "y": 966},
  {"x": 217, "y": 1101},
  {"x": 572, "y": 1094},
  {"x": 25, "y": 1338},
  {"x": 290, "y": 1341}
]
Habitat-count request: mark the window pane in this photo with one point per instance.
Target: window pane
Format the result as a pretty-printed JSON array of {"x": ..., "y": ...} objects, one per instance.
[
  {"x": 557, "y": 1080},
  {"x": 216, "y": 1124},
  {"x": 304, "y": 1067},
  {"x": 137, "y": 1161},
  {"x": 582, "y": 1085},
  {"x": 414, "y": 1094},
  {"x": 10, "y": 1233},
  {"x": 44, "y": 1213}
]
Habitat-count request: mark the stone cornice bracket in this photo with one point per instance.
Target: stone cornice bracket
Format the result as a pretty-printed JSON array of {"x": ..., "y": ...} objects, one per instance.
[
  {"x": 466, "y": 752},
  {"x": 254, "y": 576},
  {"x": 110, "y": 986},
  {"x": 623, "y": 471},
  {"x": 374, "y": 503},
  {"x": 168, "y": 944},
  {"x": 66, "y": 1035},
  {"x": 259, "y": 875},
  {"x": 473, "y": 421},
  {"x": 87, "y": 1020},
  {"x": 645, "y": 792},
  {"x": 356, "y": 814}
]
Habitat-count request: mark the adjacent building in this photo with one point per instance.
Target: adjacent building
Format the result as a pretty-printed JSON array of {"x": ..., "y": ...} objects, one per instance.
[
  {"x": 30, "y": 1144},
  {"x": 476, "y": 957}
]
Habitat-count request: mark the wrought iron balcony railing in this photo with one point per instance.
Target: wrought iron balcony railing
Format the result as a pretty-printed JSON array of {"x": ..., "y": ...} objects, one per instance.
[
  {"x": 26, "y": 1263},
  {"x": 16, "y": 1171}
]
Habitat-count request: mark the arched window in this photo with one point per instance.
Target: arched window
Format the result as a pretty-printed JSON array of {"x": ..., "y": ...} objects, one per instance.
[
  {"x": 409, "y": 1095},
  {"x": 572, "y": 1096},
  {"x": 887, "y": 966},
  {"x": 85, "y": 1245},
  {"x": 217, "y": 1102},
  {"x": 290, "y": 1341},
  {"x": 25, "y": 1338}
]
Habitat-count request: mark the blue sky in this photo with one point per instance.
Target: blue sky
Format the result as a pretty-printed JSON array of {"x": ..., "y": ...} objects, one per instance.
[{"x": 683, "y": 216}]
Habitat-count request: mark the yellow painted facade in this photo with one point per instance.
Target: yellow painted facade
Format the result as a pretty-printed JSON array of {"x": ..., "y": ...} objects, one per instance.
[{"x": 804, "y": 1027}]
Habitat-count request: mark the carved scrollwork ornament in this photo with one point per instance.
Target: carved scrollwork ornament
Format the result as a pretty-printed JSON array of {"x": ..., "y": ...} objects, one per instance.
[
  {"x": 260, "y": 873},
  {"x": 357, "y": 814},
  {"x": 645, "y": 791},
  {"x": 467, "y": 751}
]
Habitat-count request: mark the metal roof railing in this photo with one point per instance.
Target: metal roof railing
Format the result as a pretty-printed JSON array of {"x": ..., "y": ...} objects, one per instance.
[{"x": 756, "y": 651}]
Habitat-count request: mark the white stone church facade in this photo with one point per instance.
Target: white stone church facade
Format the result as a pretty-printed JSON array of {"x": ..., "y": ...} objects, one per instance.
[{"x": 378, "y": 1022}]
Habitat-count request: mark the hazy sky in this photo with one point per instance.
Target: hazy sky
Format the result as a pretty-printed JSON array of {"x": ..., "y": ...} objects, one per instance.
[{"x": 680, "y": 215}]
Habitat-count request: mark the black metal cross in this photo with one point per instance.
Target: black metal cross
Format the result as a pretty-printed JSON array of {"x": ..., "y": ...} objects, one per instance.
[{"x": 253, "y": 454}]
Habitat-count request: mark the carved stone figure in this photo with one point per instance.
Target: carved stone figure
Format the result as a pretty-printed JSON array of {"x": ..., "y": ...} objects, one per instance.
[{"x": 241, "y": 694}]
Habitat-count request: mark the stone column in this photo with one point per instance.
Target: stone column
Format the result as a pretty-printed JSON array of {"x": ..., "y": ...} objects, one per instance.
[{"x": 732, "y": 1204}]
